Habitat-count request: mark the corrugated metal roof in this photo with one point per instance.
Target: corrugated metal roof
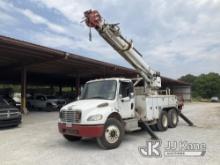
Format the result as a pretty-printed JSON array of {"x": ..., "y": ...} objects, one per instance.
[
  {"x": 15, "y": 54},
  {"x": 46, "y": 65}
]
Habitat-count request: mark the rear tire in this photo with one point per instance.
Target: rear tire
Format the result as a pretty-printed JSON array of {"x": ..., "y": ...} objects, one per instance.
[
  {"x": 112, "y": 135},
  {"x": 162, "y": 123},
  {"x": 71, "y": 138},
  {"x": 172, "y": 118}
]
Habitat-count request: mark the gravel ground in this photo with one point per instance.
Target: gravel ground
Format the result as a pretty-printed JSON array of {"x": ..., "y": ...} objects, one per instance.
[{"x": 37, "y": 142}]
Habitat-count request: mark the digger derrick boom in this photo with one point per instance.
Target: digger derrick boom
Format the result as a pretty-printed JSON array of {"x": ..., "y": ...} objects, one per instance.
[{"x": 111, "y": 34}]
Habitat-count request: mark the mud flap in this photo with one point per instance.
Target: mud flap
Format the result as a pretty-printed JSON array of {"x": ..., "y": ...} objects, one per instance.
[{"x": 148, "y": 129}]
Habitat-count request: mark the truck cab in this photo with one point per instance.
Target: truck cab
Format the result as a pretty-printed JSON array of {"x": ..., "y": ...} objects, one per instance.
[{"x": 100, "y": 100}]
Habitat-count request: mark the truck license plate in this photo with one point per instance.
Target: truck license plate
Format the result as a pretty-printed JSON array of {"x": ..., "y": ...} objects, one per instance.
[{"x": 68, "y": 124}]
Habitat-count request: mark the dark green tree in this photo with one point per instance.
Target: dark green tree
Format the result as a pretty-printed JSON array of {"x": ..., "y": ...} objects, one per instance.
[
  {"x": 207, "y": 85},
  {"x": 189, "y": 78},
  {"x": 204, "y": 85}
]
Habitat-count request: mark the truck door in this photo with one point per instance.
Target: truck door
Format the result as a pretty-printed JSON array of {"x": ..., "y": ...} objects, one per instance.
[{"x": 126, "y": 99}]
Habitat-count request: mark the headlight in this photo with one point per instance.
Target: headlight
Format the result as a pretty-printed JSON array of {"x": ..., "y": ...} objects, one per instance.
[{"x": 94, "y": 117}]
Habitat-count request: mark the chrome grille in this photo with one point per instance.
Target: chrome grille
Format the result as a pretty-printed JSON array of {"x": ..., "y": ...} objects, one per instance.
[
  {"x": 3, "y": 116},
  {"x": 3, "y": 111},
  {"x": 13, "y": 114},
  {"x": 8, "y": 115},
  {"x": 13, "y": 110},
  {"x": 71, "y": 116}
]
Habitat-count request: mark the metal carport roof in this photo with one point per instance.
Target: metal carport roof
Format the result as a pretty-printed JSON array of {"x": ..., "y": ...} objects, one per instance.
[
  {"x": 50, "y": 66},
  {"x": 46, "y": 65}
]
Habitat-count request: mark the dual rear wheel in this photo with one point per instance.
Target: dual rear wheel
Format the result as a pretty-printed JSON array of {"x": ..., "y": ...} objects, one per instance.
[
  {"x": 167, "y": 119},
  {"x": 172, "y": 118}
]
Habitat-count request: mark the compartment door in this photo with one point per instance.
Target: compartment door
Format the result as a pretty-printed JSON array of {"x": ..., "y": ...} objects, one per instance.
[
  {"x": 149, "y": 108},
  {"x": 156, "y": 102}
]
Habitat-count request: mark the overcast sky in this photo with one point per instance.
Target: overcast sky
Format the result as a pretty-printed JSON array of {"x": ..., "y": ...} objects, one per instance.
[{"x": 176, "y": 37}]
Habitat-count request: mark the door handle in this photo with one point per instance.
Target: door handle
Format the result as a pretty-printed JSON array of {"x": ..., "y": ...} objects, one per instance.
[{"x": 132, "y": 106}]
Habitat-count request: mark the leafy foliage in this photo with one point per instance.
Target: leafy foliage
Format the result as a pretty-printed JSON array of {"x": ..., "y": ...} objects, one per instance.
[{"x": 204, "y": 85}]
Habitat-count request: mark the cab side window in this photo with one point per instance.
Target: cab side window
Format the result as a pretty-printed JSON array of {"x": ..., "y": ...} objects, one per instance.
[{"x": 126, "y": 88}]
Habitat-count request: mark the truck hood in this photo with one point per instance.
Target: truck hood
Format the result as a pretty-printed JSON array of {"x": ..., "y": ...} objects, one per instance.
[{"x": 84, "y": 105}]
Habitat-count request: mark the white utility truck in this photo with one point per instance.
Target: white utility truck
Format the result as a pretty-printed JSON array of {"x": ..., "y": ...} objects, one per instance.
[{"x": 110, "y": 107}]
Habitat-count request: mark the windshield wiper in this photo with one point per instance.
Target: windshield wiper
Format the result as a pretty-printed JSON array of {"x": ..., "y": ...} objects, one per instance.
[{"x": 96, "y": 97}]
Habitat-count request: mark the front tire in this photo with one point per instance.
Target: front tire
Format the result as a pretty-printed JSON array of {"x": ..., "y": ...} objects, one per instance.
[
  {"x": 112, "y": 135},
  {"x": 71, "y": 138},
  {"x": 162, "y": 123}
]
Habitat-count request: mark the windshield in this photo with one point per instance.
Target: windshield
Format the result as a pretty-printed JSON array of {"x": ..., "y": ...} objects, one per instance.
[
  {"x": 100, "y": 90},
  {"x": 3, "y": 101}
]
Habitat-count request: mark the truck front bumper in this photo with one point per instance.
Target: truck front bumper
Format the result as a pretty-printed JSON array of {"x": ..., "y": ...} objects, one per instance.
[
  {"x": 10, "y": 121},
  {"x": 81, "y": 130}
]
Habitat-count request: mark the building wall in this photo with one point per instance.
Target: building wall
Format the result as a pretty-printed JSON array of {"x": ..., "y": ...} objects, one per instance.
[{"x": 184, "y": 91}]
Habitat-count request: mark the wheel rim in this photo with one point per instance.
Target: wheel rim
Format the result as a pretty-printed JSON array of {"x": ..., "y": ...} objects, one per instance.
[
  {"x": 112, "y": 134},
  {"x": 164, "y": 121},
  {"x": 174, "y": 118}
]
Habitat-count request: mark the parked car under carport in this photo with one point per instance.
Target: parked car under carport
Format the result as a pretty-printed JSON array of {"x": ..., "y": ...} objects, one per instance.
[
  {"x": 45, "y": 102},
  {"x": 9, "y": 114}
]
